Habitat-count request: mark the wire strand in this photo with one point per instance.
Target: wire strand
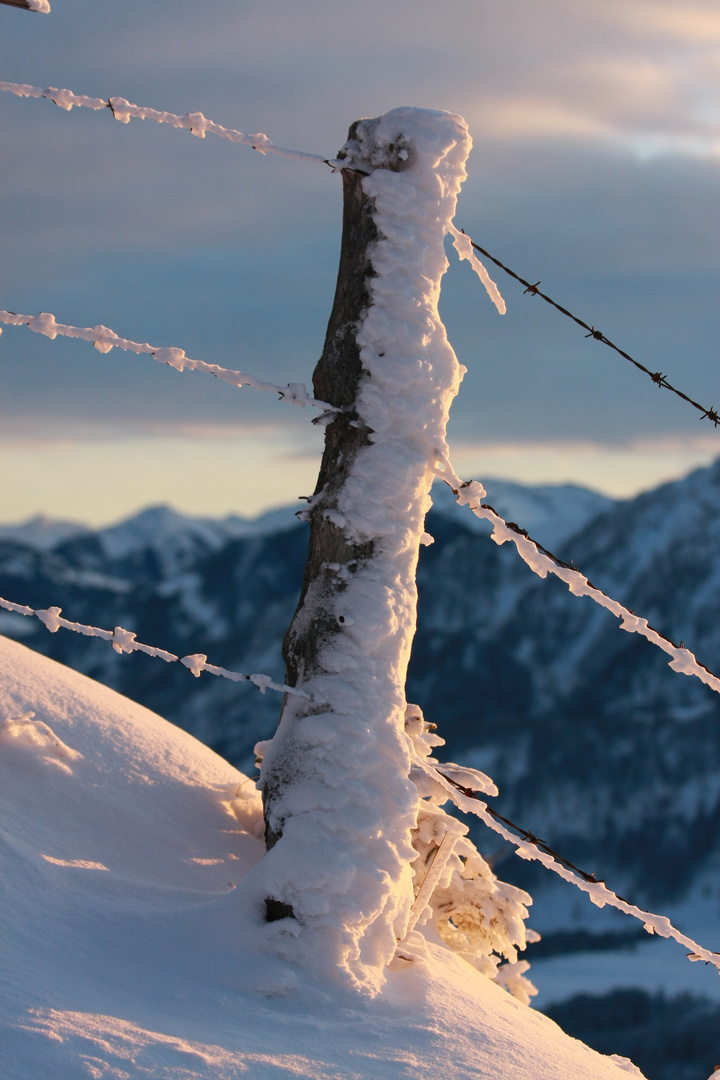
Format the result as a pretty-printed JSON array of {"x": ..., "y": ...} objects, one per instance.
[
  {"x": 196, "y": 123},
  {"x": 657, "y": 376},
  {"x": 542, "y": 562},
  {"x": 123, "y": 641},
  {"x": 29, "y": 5},
  {"x": 529, "y": 847},
  {"x": 104, "y": 340}
]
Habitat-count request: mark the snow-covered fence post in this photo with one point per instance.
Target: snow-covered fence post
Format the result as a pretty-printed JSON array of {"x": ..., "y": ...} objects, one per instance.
[
  {"x": 337, "y": 377},
  {"x": 339, "y": 806}
]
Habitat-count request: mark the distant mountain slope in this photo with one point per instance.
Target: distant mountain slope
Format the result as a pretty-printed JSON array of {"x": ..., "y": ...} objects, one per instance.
[
  {"x": 42, "y": 532},
  {"x": 594, "y": 743},
  {"x": 225, "y": 587},
  {"x": 591, "y": 738}
]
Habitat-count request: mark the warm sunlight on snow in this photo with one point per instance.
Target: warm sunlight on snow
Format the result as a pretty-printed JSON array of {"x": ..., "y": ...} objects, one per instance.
[{"x": 157, "y": 964}]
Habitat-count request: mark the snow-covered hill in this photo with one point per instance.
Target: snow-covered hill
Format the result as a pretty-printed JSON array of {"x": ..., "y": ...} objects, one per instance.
[{"x": 131, "y": 948}]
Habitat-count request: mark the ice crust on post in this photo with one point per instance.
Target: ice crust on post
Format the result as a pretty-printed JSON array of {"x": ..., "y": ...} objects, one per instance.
[{"x": 347, "y": 806}]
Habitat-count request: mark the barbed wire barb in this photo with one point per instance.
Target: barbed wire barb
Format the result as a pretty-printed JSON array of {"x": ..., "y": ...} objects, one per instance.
[{"x": 657, "y": 377}]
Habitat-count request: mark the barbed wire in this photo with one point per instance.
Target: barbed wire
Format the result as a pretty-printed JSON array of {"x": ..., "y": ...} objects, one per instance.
[
  {"x": 470, "y": 493},
  {"x": 29, "y": 5},
  {"x": 123, "y": 641},
  {"x": 657, "y": 376},
  {"x": 541, "y": 561},
  {"x": 199, "y": 125},
  {"x": 530, "y": 847},
  {"x": 196, "y": 123},
  {"x": 104, "y": 340}
]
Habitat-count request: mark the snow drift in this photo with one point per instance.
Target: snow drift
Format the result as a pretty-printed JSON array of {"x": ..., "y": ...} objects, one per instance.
[{"x": 131, "y": 949}]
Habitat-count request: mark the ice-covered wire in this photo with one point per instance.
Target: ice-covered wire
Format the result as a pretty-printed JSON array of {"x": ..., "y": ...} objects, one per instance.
[
  {"x": 464, "y": 247},
  {"x": 529, "y": 847},
  {"x": 194, "y": 122},
  {"x": 123, "y": 641},
  {"x": 542, "y": 562},
  {"x": 104, "y": 340},
  {"x": 29, "y": 5},
  {"x": 657, "y": 377}
]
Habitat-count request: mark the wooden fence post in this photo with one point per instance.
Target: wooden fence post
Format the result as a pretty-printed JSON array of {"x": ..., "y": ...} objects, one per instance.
[{"x": 335, "y": 380}]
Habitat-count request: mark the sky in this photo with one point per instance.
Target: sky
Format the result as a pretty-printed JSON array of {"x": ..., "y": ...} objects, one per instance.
[{"x": 595, "y": 168}]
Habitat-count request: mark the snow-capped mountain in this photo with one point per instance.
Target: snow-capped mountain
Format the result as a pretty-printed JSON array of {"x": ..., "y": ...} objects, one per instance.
[{"x": 43, "y": 532}]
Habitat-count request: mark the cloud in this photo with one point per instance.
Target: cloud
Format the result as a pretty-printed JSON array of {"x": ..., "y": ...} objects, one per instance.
[
  {"x": 524, "y": 118},
  {"x": 693, "y": 23},
  {"x": 595, "y": 124},
  {"x": 638, "y": 104},
  {"x": 98, "y": 480},
  {"x": 102, "y": 476},
  {"x": 53, "y": 434}
]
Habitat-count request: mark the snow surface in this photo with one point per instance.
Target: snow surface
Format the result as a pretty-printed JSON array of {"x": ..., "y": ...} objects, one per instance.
[
  {"x": 174, "y": 534},
  {"x": 132, "y": 948},
  {"x": 125, "y": 641}
]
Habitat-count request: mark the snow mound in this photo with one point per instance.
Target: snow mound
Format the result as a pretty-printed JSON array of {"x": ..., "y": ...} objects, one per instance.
[{"x": 130, "y": 948}]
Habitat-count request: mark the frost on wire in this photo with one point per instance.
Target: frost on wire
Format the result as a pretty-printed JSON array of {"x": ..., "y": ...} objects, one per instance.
[
  {"x": 104, "y": 340},
  {"x": 125, "y": 111},
  {"x": 471, "y": 494},
  {"x": 123, "y": 641}
]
